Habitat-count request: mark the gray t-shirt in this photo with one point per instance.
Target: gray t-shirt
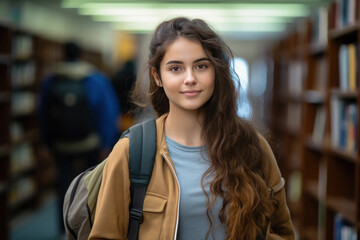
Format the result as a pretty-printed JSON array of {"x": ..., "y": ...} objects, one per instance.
[{"x": 190, "y": 165}]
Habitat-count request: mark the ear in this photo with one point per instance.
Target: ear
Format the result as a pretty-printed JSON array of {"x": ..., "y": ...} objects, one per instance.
[{"x": 156, "y": 77}]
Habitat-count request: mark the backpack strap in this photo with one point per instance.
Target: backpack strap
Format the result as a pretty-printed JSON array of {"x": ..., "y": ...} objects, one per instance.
[{"x": 142, "y": 149}]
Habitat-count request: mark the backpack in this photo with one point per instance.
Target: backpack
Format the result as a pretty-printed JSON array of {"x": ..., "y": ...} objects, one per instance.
[
  {"x": 68, "y": 113},
  {"x": 80, "y": 200}
]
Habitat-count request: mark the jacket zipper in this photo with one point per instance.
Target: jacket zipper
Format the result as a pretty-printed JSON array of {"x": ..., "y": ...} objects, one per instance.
[{"x": 178, "y": 205}]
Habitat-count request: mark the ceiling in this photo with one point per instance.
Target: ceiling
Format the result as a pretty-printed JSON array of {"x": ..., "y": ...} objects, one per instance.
[{"x": 239, "y": 18}]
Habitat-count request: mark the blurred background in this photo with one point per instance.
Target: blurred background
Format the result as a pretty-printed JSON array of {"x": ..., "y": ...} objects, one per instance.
[{"x": 297, "y": 66}]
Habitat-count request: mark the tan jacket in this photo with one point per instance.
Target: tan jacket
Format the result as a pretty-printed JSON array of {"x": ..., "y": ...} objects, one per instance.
[{"x": 161, "y": 204}]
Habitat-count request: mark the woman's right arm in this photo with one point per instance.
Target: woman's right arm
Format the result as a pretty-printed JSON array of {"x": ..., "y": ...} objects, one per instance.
[{"x": 112, "y": 208}]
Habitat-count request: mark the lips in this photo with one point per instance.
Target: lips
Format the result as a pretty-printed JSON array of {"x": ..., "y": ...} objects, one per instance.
[{"x": 191, "y": 93}]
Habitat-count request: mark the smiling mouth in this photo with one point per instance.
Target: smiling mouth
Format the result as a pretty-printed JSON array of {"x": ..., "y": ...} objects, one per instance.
[{"x": 191, "y": 93}]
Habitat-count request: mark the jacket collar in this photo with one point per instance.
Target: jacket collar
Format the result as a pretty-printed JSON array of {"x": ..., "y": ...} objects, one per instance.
[{"x": 160, "y": 135}]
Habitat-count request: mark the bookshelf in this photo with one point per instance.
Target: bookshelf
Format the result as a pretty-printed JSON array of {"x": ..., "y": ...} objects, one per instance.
[
  {"x": 5, "y": 65},
  {"x": 23, "y": 189},
  {"x": 328, "y": 158},
  {"x": 22, "y": 171}
]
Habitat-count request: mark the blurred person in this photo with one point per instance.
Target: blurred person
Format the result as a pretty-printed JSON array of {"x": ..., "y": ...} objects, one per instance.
[
  {"x": 123, "y": 82},
  {"x": 78, "y": 112},
  {"x": 214, "y": 176}
]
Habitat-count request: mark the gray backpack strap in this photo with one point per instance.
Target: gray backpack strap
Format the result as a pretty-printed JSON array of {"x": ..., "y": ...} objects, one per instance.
[{"x": 142, "y": 149}]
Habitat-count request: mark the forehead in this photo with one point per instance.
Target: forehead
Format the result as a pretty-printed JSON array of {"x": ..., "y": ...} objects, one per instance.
[{"x": 183, "y": 49}]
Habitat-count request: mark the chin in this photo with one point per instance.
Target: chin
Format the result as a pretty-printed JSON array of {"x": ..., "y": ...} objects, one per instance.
[{"x": 197, "y": 108}]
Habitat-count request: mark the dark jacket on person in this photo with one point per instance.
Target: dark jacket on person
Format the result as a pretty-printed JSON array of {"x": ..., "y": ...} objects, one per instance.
[{"x": 102, "y": 100}]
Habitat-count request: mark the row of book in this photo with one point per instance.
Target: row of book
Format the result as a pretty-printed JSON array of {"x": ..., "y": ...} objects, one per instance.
[
  {"x": 345, "y": 12},
  {"x": 320, "y": 26},
  {"x": 344, "y": 124},
  {"x": 21, "y": 190},
  {"x": 21, "y": 158},
  {"x": 343, "y": 230},
  {"x": 348, "y": 67},
  {"x": 23, "y": 74},
  {"x": 17, "y": 132},
  {"x": 297, "y": 72},
  {"x": 319, "y": 125},
  {"x": 22, "y": 47},
  {"x": 23, "y": 103}
]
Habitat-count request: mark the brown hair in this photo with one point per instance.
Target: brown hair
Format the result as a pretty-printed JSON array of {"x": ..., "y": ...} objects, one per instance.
[{"x": 234, "y": 147}]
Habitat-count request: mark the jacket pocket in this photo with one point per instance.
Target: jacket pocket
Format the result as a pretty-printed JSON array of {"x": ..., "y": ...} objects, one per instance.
[{"x": 153, "y": 213}]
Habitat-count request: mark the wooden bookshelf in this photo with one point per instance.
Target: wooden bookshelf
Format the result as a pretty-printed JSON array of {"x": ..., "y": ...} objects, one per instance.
[
  {"x": 23, "y": 122},
  {"x": 21, "y": 170},
  {"x": 311, "y": 189},
  {"x": 327, "y": 140},
  {"x": 5, "y": 66}
]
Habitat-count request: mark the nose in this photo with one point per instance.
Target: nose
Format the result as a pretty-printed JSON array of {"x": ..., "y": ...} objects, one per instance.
[{"x": 190, "y": 78}]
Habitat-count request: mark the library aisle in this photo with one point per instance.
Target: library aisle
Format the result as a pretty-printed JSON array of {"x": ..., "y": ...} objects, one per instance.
[{"x": 316, "y": 81}]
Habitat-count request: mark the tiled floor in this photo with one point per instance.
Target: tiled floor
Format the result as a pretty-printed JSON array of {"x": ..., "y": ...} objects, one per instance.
[{"x": 39, "y": 225}]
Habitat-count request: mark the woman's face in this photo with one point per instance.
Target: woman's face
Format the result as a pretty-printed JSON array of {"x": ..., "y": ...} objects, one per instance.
[{"x": 187, "y": 75}]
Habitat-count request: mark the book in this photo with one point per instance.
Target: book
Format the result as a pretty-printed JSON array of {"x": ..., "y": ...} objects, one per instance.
[
  {"x": 21, "y": 190},
  {"x": 23, "y": 74},
  {"x": 22, "y": 47},
  {"x": 351, "y": 122},
  {"x": 352, "y": 67},
  {"x": 319, "y": 125},
  {"x": 345, "y": 12},
  {"x": 343, "y": 127},
  {"x": 348, "y": 67},
  {"x": 351, "y": 11},
  {"x": 294, "y": 186},
  {"x": 297, "y": 73},
  {"x": 343, "y": 67},
  {"x": 336, "y": 106},
  {"x": 320, "y": 29},
  {"x": 344, "y": 124},
  {"x": 22, "y": 158},
  {"x": 343, "y": 230},
  {"x": 23, "y": 103}
]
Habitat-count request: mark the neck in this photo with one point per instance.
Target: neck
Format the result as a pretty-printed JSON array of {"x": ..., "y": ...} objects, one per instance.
[{"x": 184, "y": 127}]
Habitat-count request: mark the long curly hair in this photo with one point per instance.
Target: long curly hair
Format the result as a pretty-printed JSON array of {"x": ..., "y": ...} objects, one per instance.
[{"x": 234, "y": 147}]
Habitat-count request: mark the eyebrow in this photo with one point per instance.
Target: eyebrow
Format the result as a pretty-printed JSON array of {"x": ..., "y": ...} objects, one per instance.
[{"x": 180, "y": 62}]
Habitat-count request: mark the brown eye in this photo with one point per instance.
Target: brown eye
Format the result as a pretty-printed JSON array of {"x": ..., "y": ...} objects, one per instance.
[
  {"x": 201, "y": 67},
  {"x": 175, "y": 69}
]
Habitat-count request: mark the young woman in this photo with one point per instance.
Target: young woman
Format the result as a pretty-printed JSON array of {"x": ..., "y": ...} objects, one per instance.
[{"x": 214, "y": 176}]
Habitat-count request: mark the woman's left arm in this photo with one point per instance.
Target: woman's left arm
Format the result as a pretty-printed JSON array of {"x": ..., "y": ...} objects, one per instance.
[{"x": 280, "y": 225}]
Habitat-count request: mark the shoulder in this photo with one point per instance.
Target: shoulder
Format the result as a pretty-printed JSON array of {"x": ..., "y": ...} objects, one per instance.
[
  {"x": 271, "y": 169},
  {"x": 98, "y": 76},
  {"x": 119, "y": 156}
]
